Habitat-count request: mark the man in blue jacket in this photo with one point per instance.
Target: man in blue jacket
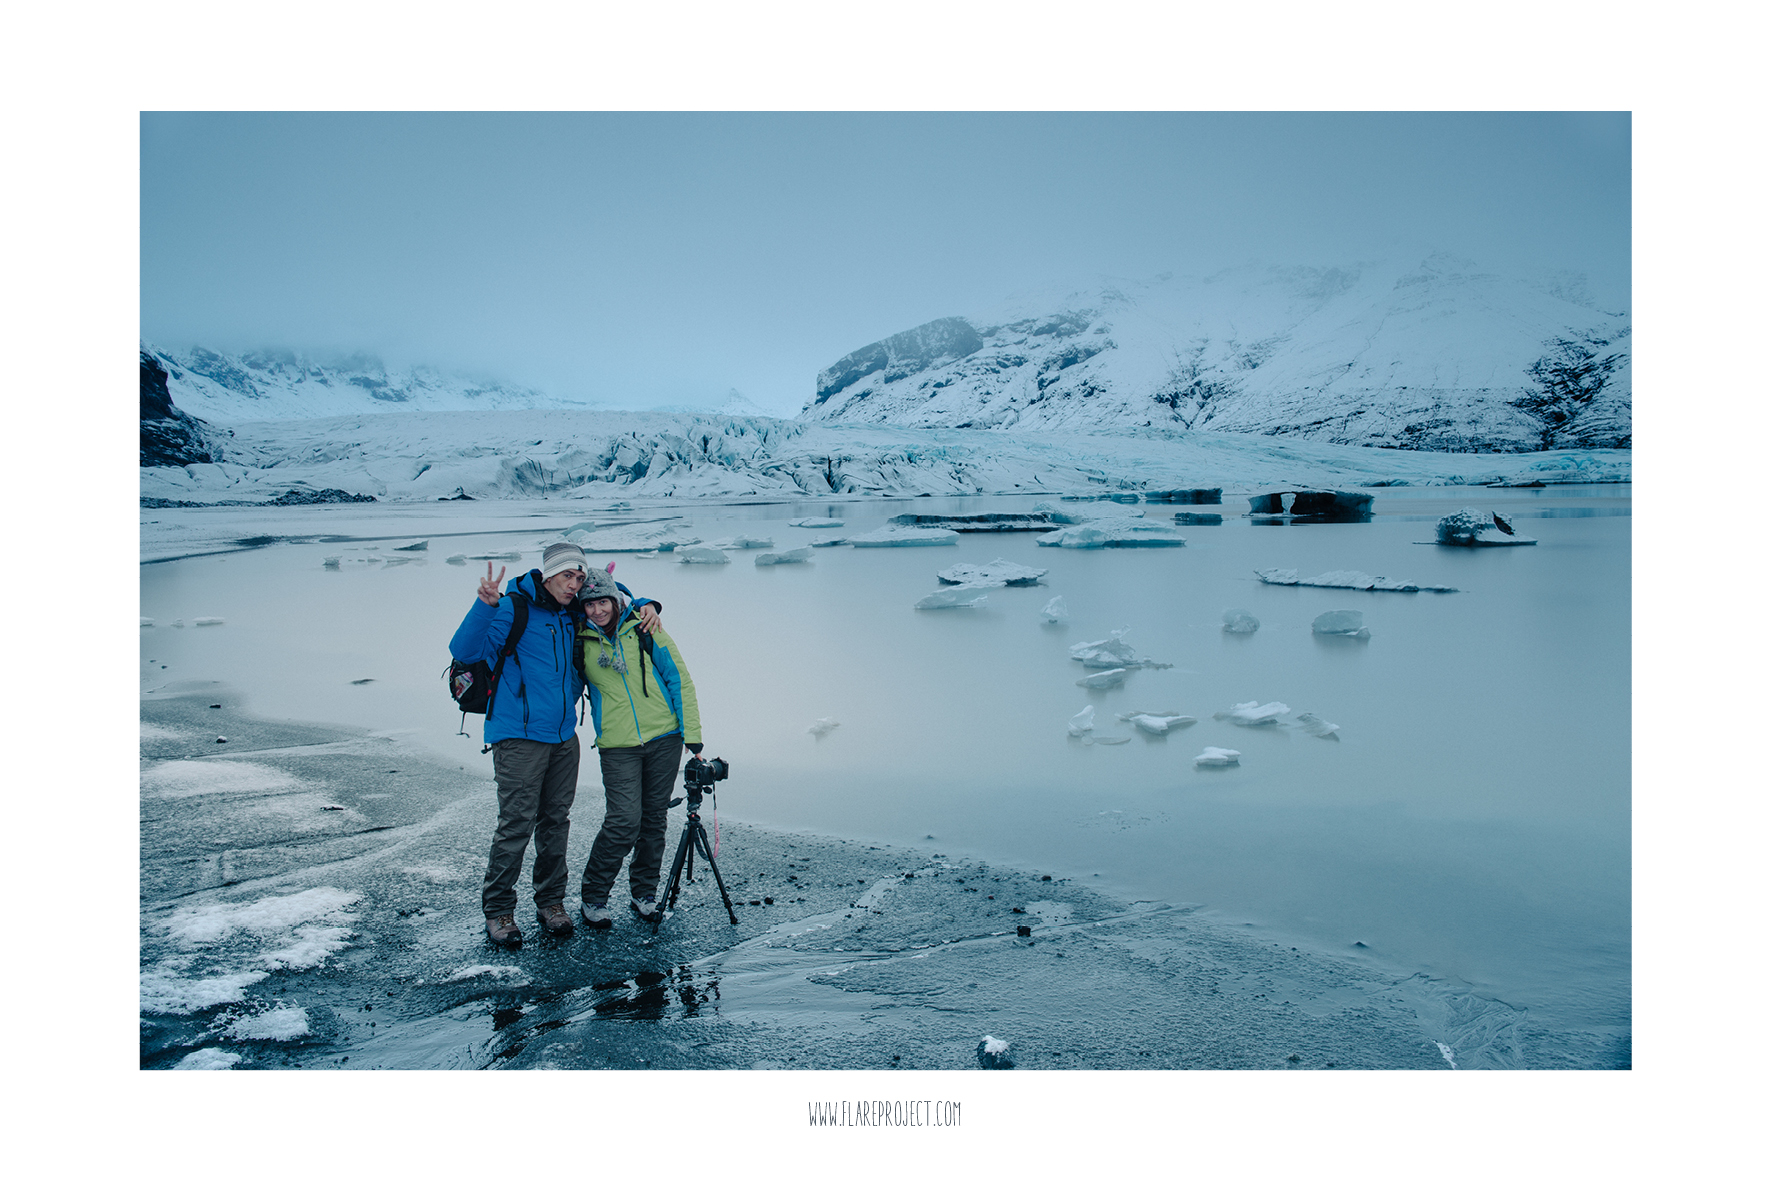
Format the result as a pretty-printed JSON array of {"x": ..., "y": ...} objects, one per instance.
[{"x": 531, "y": 728}]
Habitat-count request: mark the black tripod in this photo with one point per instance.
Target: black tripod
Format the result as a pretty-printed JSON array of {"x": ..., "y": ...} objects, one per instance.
[{"x": 694, "y": 837}]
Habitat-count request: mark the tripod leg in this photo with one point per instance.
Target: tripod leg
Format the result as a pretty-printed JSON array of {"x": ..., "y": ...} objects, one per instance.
[
  {"x": 668, "y": 896},
  {"x": 701, "y": 838}
]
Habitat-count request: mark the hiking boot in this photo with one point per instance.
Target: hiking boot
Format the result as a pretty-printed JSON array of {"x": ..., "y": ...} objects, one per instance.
[
  {"x": 597, "y": 917},
  {"x": 647, "y": 909},
  {"x": 502, "y": 930},
  {"x": 554, "y": 919}
]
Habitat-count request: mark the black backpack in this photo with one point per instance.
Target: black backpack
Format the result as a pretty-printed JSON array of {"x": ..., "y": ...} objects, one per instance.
[{"x": 473, "y": 683}]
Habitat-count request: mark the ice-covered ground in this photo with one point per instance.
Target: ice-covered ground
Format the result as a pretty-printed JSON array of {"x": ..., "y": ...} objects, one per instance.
[{"x": 1464, "y": 837}]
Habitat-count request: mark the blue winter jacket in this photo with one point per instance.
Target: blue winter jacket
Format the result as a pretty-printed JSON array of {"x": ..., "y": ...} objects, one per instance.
[{"x": 539, "y": 687}]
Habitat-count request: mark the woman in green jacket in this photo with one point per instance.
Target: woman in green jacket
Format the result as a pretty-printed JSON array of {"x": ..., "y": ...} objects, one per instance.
[{"x": 644, "y": 713}]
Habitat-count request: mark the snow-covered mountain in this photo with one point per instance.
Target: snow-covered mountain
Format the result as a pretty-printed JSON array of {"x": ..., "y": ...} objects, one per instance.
[
  {"x": 278, "y": 383},
  {"x": 1436, "y": 355}
]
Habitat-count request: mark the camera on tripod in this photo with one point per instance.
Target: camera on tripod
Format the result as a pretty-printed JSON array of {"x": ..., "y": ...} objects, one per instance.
[{"x": 705, "y": 772}]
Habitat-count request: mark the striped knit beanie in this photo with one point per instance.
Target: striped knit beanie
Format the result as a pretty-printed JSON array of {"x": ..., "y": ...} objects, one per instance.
[{"x": 562, "y": 555}]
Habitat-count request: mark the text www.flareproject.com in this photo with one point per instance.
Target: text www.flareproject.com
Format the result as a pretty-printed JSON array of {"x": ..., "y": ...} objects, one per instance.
[{"x": 884, "y": 1113}]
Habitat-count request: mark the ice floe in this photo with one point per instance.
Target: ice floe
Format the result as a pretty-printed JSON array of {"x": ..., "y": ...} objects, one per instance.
[
  {"x": 997, "y": 573},
  {"x": 1113, "y": 533},
  {"x": 826, "y": 544},
  {"x": 816, "y": 523},
  {"x": 822, "y": 727},
  {"x": 703, "y": 555},
  {"x": 1240, "y": 623},
  {"x": 1471, "y": 528},
  {"x": 1347, "y": 580},
  {"x": 1083, "y": 722},
  {"x": 980, "y": 522},
  {"x": 1217, "y": 756},
  {"x": 147, "y": 622},
  {"x": 1112, "y": 678},
  {"x": 1186, "y": 496},
  {"x": 457, "y": 559},
  {"x": 1055, "y": 610},
  {"x": 635, "y": 537},
  {"x": 208, "y": 621},
  {"x": 1250, "y": 713},
  {"x": 1113, "y": 652},
  {"x": 1316, "y": 727},
  {"x": 740, "y": 541},
  {"x": 415, "y": 547},
  {"x": 1322, "y": 506},
  {"x": 954, "y": 596},
  {"x": 895, "y": 535},
  {"x": 800, "y": 553},
  {"x": 1341, "y": 623},
  {"x": 1156, "y": 721}
]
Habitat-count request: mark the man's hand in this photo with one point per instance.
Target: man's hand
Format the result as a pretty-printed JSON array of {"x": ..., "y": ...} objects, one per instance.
[
  {"x": 488, "y": 591},
  {"x": 648, "y": 616}
]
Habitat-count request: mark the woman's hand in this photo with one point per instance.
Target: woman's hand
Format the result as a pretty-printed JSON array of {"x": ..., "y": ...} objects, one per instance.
[
  {"x": 648, "y": 616},
  {"x": 488, "y": 591}
]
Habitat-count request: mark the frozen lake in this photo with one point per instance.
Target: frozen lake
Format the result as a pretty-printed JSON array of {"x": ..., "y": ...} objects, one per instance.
[{"x": 1469, "y": 823}]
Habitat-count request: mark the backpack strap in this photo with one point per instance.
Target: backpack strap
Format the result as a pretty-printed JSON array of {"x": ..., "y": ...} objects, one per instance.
[
  {"x": 645, "y": 651},
  {"x": 519, "y": 623}
]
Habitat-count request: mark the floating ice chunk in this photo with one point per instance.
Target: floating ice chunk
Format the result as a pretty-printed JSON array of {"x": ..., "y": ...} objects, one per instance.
[
  {"x": 1469, "y": 527},
  {"x": 208, "y": 1058},
  {"x": 1348, "y": 580},
  {"x": 994, "y": 1054},
  {"x": 1113, "y": 533},
  {"x": 703, "y": 555},
  {"x": 800, "y": 553},
  {"x": 415, "y": 547},
  {"x": 1316, "y": 727},
  {"x": 1112, "y": 652},
  {"x": 830, "y": 542},
  {"x": 740, "y": 541},
  {"x": 1217, "y": 756},
  {"x": 637, "y": 538},
  {"x": 894, "y": 535},
  {"x": 1341, "y": 623},
  {"x": 457, "y": 559},
  {"x": 1103, "y": 740},
  {"x": 955, "y": 596},
  {"x": 147, "y": 622},
  {"x": 1157, "y": 723},
  {"x": 506, "y": 556},
  {"x": 1055, "y": 610},
  {"x": 997, "y": 573},
  {"x": 1112, "y": 678},
  {"x": 979, "y": 522},
  {"x": 207, "y": 621},
  {"x": 1083, "y": 722},
  {"x": 178, "y": 623},
  {"x": 816, "y": 523},
  {"x": 822, "y": 727},
  {"x": 1240, "y": 623},
  {"x": 1248, "y": 713}
]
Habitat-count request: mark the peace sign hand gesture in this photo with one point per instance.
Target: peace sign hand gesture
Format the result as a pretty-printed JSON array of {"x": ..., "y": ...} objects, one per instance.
[{"x": 489, "y": 585}]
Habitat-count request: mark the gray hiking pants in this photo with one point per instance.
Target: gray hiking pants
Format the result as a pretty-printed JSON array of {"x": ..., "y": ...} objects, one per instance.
[
  {"x": 637, "y": 782},
  {"x": 536, "y": 784}
]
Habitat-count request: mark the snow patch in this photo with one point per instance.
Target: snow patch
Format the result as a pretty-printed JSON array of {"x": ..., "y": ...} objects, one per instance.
[
  {"x": 208, "y": 1058},
  {"x": 163, "y": 991},
  {"x": 283, "y": 912},
  {"x": 197, "y": 777}
]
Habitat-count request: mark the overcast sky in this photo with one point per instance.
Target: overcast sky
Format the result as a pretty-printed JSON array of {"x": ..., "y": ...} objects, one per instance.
[{"x": 641, "y": 260}]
